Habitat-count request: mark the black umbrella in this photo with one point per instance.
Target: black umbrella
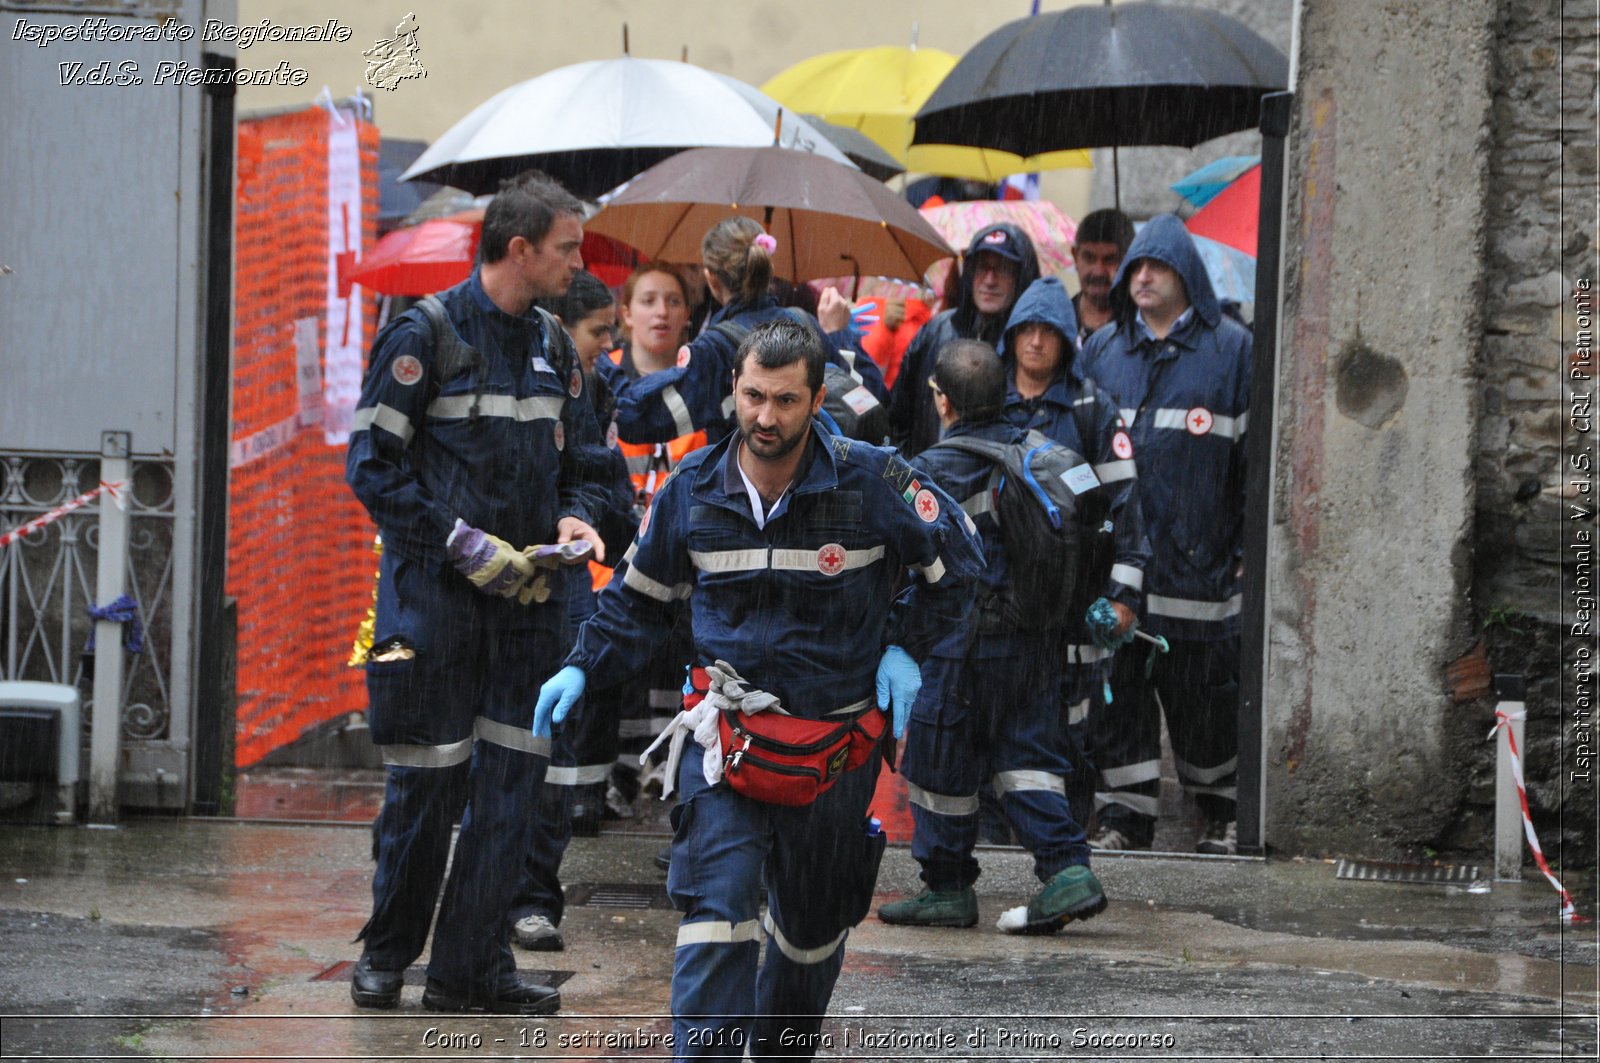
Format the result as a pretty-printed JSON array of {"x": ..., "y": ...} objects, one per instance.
[
  {"x": 858, "y": 148},
  {"x": 1105, "y": 76}
]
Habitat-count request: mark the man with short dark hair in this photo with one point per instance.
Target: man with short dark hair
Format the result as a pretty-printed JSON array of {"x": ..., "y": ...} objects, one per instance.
[
  {"x": 1102, "y": 239},
  {"x": 997, "y": 268},
  {"x": 789, "y": 544},
  {"x": 1180, "y": 371},
  {"x": 990, "y": 707},
  {"x": 473, "y": 442}
]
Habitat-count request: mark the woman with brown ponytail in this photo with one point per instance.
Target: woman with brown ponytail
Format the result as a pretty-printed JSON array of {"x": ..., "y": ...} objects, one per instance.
[{"x": 696, "y": 393}]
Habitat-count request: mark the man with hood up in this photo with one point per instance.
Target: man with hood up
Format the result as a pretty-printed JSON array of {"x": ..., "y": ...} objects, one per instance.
[
  {"x": 998, "y": 266},
  {"x": 1048, "y": 392},
  {"x": 1180, "y": 371}
]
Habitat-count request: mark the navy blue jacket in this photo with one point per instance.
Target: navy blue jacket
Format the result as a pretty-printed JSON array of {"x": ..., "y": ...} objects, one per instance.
[
  {"x": 914, "y": 423},
  {"x": 1083, "y": 418},
  {"x": 804, "y": 607},
  {"x": 1186, "y": 400},
  {"x": 698, "y": 392},
  {"x": 419, "y": 458}
]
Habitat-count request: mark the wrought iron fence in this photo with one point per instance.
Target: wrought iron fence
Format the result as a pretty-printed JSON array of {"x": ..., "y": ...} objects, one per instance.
[{"x": 47, "y": 582}]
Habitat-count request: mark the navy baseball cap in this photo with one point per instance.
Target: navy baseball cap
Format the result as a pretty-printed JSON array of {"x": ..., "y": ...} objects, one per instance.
[{"x": 997, "y": 238}]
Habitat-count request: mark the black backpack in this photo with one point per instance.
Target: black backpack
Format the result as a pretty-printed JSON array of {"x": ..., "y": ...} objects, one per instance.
[
  {"x": 453, "y": 356},
  {"x": 851, "y": 404},
  {"x": 1040, "y": 518}
]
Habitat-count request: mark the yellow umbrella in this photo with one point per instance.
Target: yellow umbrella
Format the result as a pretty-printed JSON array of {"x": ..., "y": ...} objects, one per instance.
[{"x": 878, "y": 90}]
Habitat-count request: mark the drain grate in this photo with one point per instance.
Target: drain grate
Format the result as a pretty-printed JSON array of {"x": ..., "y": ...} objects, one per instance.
[
  {"x": 417, "y": 974},
  {"x": 1399, "y": 871},
  {"x": 618, "y": 895}
]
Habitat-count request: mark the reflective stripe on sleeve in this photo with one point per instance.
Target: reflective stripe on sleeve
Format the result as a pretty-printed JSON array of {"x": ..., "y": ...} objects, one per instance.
[
  {"x": 933, "y": 572},
  {"x": 1186, "y": 609},
  {"x": 1127, "y": 417},
  {"x": 979, "y": 504},
  {"x": 1113, "y": 471},
  {"x": 1010, "y": 782},
  {"x": 729, "y": 404},
  {"x": 665, "y": 699},
  {"x": 1128, "y": 576},
  {"x": 442, "y": 756},
  {"x": 510, "y": 736},
  {"x": 679, "y": 410},
  {"x": 797, "y": 954},
  {"x": 1078, "y": 712},
  {"x": 942, "y": 804},
  {"x": 718, "y": 933},
  {"x": 532, "y": 408},
  {"x": 1231, "y": 793},
  {"x": 659, "y": 591},
  {"x": 387, "y": 418}
]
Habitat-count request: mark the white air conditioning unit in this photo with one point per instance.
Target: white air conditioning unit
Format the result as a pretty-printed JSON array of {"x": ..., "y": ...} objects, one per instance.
[{"x": 41, "y": 732}]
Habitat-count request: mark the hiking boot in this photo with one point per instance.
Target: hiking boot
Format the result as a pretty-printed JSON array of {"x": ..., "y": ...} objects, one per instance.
[
  {"x": 513, "y": 998},
  {"x": 1221, "y": 838},
  {"x": 1111, "y": 839},
  {"x": 931, "y": 908},
  {"x": 538, "y": 934},
  {"x": 371, "y": 987},
  {"x": 1072, "y": 893}
]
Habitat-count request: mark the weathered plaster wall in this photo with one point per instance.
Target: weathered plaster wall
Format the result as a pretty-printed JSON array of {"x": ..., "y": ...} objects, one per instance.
[{"x": 1373, "y": 494}]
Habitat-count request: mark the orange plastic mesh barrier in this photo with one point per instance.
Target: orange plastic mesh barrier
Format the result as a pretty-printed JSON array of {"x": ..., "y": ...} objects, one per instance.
[{"x": 299, "y": 557}]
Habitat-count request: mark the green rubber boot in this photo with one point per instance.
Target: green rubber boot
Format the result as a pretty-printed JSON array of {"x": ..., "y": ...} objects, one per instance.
[
  {"x": 1072, "y": 893},
  {"x": 928, "y": 908}
]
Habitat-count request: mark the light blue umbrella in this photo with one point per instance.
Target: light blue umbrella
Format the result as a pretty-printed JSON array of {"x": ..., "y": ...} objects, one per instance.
[
  {"x": 1201, "y": 186},
  {"x": 1232, "y": 272}
]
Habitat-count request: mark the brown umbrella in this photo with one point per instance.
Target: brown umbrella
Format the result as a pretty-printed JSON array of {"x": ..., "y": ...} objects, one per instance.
[{"x": 827, "y": 218}]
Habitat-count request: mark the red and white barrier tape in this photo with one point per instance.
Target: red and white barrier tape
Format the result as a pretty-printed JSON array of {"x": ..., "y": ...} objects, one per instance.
[
  {"x": 1502, "y": 719},
  {"x": 114, "y": 489}
]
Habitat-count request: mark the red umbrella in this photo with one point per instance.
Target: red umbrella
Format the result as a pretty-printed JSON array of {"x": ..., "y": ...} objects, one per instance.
[
  {"x": 419, "y": 259},
  {"x": 432, "y": 255},
  {"x": 1230, "y": 218}
]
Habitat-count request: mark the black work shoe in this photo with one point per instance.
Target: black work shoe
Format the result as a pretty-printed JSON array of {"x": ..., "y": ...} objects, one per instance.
[
  {"x": 372, "y": 988},
  {"x": 664, "y": 858},
  {"x": 517, "y": 998}
]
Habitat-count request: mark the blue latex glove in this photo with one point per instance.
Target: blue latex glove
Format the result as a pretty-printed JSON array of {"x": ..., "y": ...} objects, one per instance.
[
  {"x": 556, "y": 698},
  {"x": 1102, "y": 621},
  {"x": 899, "y": 679},
  {"x": 863, "y": 317}
]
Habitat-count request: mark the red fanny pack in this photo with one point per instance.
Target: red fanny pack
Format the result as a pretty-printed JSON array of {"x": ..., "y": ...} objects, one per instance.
[{"x": 789, "y": 760}]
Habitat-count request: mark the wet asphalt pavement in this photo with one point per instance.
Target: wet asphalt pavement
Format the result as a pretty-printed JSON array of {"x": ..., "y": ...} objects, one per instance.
[{"x": 195, "y": 939}]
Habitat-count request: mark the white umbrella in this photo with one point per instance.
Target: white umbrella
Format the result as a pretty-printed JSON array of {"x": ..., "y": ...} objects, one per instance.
[{"x": 594, "y": 125}]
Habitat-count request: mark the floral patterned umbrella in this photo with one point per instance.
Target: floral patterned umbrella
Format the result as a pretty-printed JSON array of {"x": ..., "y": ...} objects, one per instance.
[{"x": 1051, "y": 231}]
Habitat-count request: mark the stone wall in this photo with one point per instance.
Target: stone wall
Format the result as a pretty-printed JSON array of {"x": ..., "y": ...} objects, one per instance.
[{"x": 1541, "y": 230}]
